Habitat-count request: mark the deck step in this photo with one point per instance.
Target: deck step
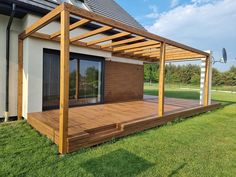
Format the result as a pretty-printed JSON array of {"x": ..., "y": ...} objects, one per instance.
[
  {"x": 95, "y": 139},
  {"x": 101, "y": 129}
]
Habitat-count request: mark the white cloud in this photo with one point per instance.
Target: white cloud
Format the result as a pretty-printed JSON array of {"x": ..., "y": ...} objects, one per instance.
[
  {"x": 202, "y": 24},
  {"x": 174, "y": 3},
  {"x": 154, "y": 12}
]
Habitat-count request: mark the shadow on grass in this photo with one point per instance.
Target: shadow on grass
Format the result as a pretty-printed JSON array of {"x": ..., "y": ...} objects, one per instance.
[
  {"x": 117, "y": 163},
  {"x": 176, "y": 171}
]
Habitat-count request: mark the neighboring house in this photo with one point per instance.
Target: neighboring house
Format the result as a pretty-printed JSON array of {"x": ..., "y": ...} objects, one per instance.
[{"x": 100, "y": 76}]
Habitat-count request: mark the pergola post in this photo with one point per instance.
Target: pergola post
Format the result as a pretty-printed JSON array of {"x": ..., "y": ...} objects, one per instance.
[
  {"x": 206, "y": 82},
  {"x": 161, "y": 90},
  {"x": 64, "y": 81},
  {"x": 20, "y": 79}
]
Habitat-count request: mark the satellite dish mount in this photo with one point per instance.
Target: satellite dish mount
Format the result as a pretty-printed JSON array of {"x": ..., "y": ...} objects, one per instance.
[{"x": 223, "y": 59}]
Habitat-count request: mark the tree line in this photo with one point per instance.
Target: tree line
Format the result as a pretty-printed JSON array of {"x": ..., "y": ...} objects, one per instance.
[{"x": 188, "y": 74}]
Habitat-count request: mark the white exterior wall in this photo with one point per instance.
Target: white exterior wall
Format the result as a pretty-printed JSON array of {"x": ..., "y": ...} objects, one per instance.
[
  {"x": 33, "y": 63},
  {"x": 15, "y": 30}
]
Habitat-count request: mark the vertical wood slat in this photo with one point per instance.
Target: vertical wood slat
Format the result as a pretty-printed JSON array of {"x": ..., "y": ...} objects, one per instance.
[
  {"x": 64, "y": 82},
  {"x": 161, "y": 80},
  {"x": 206, "y": 82},
  {"x": 20, "y": 79}
]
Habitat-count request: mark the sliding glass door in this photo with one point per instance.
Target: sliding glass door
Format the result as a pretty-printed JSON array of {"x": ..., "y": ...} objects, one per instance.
[{"x": 86, "y": 80}]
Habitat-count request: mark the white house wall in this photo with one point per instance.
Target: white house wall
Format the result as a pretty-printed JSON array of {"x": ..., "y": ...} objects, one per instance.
[{"x": 15, "y": 30}]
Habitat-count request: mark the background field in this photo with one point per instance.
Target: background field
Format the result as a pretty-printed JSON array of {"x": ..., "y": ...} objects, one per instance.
[{"x": 204, "y": 145}]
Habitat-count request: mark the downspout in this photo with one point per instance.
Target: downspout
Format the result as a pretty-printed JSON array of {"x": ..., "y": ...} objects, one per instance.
[{"x": 8, "y": 37}]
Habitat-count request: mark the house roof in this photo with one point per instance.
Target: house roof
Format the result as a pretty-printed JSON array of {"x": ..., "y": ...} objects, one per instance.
[{"x": 107, "y": 8}]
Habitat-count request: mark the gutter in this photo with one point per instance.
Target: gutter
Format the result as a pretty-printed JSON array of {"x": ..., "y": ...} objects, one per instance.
[{"x": 8, "y": 37}]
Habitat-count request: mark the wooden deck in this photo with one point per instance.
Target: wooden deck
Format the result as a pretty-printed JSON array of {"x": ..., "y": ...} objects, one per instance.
[{"x": 91, "y": 125}]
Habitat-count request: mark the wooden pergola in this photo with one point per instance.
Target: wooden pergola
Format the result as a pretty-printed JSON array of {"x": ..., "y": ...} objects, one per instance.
[{"x": 128, "y": 42}]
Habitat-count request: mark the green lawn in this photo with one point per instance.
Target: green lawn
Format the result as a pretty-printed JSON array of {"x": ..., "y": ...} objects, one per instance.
[
  {"x": 174, "y": 86},
  {"x": 204, "y": 145}
]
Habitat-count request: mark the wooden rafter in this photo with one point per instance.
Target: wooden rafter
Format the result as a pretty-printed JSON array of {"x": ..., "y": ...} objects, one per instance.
[
  {"x": 76, "y": 43},
  {"x": 170, "y": 53},
  {"x": 72, "y": 27},
  {"x": 142, "y": 48},
  {"x": 104, "y": 39},
  {"x": 147, "y": 51},
  {"x": 51, "y": 16},
  {"x": 179, "y": 55},
  {"x": 125, "y": 41},
  {"x": 91, "y": 33},
  {"x": 131, "y": 46}
]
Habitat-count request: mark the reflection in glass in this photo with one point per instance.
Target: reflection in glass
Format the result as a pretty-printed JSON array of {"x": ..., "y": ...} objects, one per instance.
[{"x": 84, "y": 85}]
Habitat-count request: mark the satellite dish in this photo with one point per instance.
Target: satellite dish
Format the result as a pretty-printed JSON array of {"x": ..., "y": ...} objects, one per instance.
[
  {"x": 224, "y": 56},
  {"x": 223, "y": 59}
]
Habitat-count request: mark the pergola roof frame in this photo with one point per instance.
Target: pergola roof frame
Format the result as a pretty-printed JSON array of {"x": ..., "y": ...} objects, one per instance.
[{"x": 148, "y": 39}]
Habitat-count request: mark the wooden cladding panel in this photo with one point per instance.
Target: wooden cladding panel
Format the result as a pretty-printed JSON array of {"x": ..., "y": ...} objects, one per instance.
[{"x": 123, "y": 82}]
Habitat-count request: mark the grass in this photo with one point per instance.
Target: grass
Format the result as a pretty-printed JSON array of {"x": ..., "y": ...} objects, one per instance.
[{"x": 204, "y": 145}]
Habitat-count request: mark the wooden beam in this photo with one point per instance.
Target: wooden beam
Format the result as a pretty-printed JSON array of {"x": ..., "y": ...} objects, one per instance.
[
  {"x": 185, "y": 55},
  {"x": 206, "y": 82},
  {"x": 161, "y": 90},
  {"x": 146, "y": 52},
  {"x": 131, "y": 46},
  {"x": 77, "y": 43},
  {"x": 142, "y": 48},
  {"x": 64, "y": 82},
  {"x": 91, "y": 33},
  {"x": 104, "y": 39},
  {"x": 125, "y": 41},
  {"x": 140, "y": 32},
  {"x": 20, "y": 79},
  {"x": 51, "y": 16},
  {"x": 152, "y": 53},
  {"x": 174, "y": 54},
  {"x": 73, "y": 26}
]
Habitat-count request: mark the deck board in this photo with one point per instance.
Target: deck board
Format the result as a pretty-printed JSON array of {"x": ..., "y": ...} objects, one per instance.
[{"x": 90, "y": 125}]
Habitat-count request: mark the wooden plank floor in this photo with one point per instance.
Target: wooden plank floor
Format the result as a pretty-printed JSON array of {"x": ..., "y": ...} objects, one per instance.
[{"x": 90, "y": 125}]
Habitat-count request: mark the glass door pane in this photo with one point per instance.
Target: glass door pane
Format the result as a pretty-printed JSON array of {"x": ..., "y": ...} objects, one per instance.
[
  {"x": 51, "y": 80},
  {"x": 90, "y": 81}
]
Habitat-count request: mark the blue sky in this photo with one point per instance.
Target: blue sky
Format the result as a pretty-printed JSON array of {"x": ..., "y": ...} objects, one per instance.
[{"x": 203, "y": 24}]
